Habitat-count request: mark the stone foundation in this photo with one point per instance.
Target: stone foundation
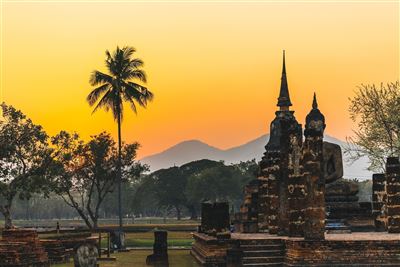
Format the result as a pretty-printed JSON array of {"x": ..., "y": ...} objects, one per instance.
[
  {"x": 342, "y": 252},
  {"x": 209, "y": 250},
  {"x": 369, "y": 249}
]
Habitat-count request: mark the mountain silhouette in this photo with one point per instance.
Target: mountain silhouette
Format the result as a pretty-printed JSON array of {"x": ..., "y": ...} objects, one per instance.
[{"x": 191, "y": 150}]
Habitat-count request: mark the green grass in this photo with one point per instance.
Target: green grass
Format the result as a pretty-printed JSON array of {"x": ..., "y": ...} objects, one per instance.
[
  {"x": 146, "y": 239},
  {"x": 149, "y": 242},
  {"x": 137, "y": 258}
]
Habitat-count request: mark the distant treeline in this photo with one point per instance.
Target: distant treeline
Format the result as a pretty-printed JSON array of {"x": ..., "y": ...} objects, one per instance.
[{"x": 165, "y": 193}]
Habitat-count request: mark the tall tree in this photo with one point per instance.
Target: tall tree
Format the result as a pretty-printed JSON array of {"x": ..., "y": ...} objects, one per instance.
[
  {"x": 376, "y": 111},
  {"x": 114, "y": 88},
  {"x": 87, "y": 171},
  {"x": 24, "y": 159}
]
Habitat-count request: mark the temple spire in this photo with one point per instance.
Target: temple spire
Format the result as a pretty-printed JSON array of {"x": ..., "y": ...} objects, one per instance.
[
  {"x": 314, "y": 103},
  {"x": 314, "y": 116},
  {"x": 284, "y": 98}
]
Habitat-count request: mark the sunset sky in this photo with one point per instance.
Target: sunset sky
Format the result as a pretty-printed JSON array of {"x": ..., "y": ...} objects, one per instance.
[{"x": 214, "y": 67}]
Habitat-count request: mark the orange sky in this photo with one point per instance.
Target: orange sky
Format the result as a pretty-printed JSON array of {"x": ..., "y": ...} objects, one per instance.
[{"x": 214, "y": 67}]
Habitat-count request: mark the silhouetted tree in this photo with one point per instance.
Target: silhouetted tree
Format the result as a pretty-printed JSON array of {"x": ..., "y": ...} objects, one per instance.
[
  {"x": 88, "y": 171},
  {"x": 376, "y": 111},
  {"x": 24, "y": 159},
  {"x": 115, "y": 88}
]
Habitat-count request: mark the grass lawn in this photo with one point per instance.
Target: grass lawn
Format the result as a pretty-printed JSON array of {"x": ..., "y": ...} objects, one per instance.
[
  {"x": 146, "y": 239},
  {"x": 137, "y": 258}
]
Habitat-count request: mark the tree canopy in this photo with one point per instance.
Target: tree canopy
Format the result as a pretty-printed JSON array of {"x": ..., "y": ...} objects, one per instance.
[
  {"x": 87, "y": 171},
  {"x": 376, "y": 111},
  {"x": 24, "y": 159},
  {"x": 185, "y": 187}
]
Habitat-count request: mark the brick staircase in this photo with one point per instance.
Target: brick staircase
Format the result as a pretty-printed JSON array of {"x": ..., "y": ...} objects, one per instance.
[{"x": 263, "y": 252}]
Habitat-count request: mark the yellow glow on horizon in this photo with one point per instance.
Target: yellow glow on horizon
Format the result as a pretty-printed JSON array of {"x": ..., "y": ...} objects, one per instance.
[{"x": 214, "y": 67}]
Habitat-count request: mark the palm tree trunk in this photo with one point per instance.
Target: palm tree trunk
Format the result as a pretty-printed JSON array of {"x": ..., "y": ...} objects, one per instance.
[{"x": 119, "y": 178}]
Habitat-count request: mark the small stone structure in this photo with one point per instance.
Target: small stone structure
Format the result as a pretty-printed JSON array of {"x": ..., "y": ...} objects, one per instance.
[
  {"x": 160, "y": 250},
  {"x": 117, "y": 239},
  {"x": 393, "y": 194},
  {"x": 20, "y": 247},
  {"x": 215, "y": 218},
  {"x": 55, "y": 250},
  {"x": 86, "y": 255}
]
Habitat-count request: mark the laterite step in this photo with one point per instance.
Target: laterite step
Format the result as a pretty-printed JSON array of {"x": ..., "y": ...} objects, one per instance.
[
  {"x": 261, "y": 247},
  {"x": 275, "y": 259},
  {"x": 261, "y": 242},
  {"x": 263, "y": 253},
  {"x": 263, "y": 265}
]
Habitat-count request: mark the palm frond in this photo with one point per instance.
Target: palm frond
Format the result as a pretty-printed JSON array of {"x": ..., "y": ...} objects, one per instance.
[
  {"x": 149, "y": 96},
  {"x": 128, "y": 51},
  {"x": 136, "y": 63},
  {"x": 96, "y": 93},
  {"x": 129, "y": 99},
  {"x": 98, "y": 77},
  {"x": 104, "y": 102},
  {"x": 137, "y": 93},
  {"x": 145, "y": 94},
  {"x": 133, "y": 92},
  {"x": 136, "y": 74}
]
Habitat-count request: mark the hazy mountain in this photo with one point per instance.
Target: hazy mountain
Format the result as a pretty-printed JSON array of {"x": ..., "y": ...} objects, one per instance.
[{"x": 191, "y": 150}]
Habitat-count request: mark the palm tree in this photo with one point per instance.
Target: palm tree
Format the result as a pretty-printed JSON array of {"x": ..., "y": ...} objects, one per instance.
[{"x": 116, "y": 87}]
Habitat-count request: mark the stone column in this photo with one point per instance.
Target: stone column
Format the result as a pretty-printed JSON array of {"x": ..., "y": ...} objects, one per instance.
[
  {"x": 312, "y": 162},
  {"x": 296, "y": 190},
  {"x": 393, "y": 194},
  {"x": 297, "y": 201},
  {"x": 314, "y": 226},
  {"x": 273, "y": 192},
  {"x": 379, "y": 199},
  {"x": 263, "y": 199},
  {"x": 159, "y": 257},
  {"x": 249, "y": 209}
]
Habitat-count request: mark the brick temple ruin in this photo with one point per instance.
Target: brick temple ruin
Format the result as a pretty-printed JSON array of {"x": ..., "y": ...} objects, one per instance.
[{"x": 299, "y": 209}]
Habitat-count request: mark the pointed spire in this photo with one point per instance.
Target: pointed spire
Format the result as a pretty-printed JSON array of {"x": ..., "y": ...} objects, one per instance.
[
  {"x": 314, "y": 103},
  {"x": 284, "y": 98},
  {"x": 284, "y": 64},
  {"x": 315, "y": 119}
]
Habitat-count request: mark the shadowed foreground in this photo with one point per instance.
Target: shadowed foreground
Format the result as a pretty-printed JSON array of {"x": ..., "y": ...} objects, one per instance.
[{"x": 137, "y": 258}]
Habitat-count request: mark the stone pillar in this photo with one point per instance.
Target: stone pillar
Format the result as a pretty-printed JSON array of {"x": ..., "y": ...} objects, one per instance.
[
  {"x": 273, "y": 192},
  {"x": 206, "y": 217},
  {"x": 249, "y": 208},
  {"x": 263, "y": 199},
  {"x": 314, "y": 226},
  {"x": 393, "y": 194},
  {"x": 221, "y": 216},
  {"x": 379, "y": 199},
  {"x": 296, "y": 190},
  {"x": 214, "y": 218},
  {"x": 297, "y": 202},
  {"x": 312, "y": 162},
  {"x": 160, "y": 250}
]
